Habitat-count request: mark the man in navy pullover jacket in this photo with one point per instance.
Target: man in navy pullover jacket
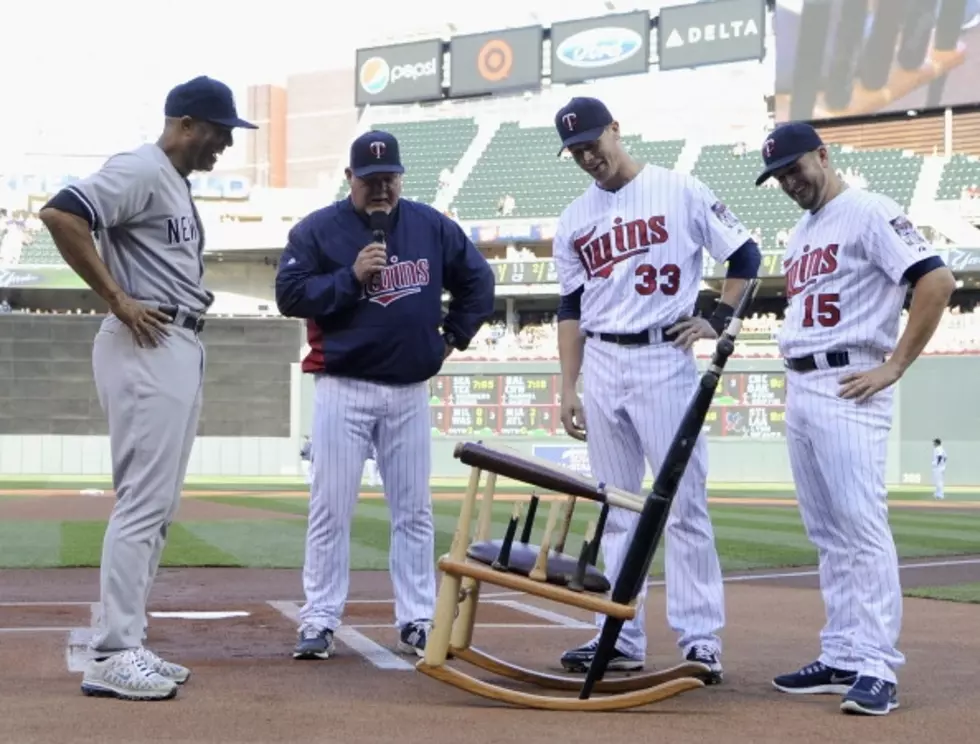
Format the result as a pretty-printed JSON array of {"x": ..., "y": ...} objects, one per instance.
[{"x": 367, "y": 273}]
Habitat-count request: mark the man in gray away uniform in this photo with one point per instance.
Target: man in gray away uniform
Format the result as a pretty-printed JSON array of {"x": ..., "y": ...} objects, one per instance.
[{"x": 147, "y": 358}]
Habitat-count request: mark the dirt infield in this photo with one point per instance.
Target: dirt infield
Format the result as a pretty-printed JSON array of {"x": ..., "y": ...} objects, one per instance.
[
  {"x": 98, "y": 508},
  {"x": 246, "y": 688}
]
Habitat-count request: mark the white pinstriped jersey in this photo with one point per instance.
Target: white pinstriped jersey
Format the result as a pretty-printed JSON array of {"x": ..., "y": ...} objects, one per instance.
[
  {"x": 843, "y": 268},
  {"x": 638, "y": 251}
]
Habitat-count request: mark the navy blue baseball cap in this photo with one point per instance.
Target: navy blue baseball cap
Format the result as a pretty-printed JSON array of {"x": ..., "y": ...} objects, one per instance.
[
  {"x": 785, "y": 145},
  {"x": 375, "y": 152},
  {"x": 205, "y": 99},
  {"x": 581, "y": 120}
]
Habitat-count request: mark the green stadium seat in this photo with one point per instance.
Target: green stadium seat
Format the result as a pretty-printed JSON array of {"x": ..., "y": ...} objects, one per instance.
[
  {"x": 522, "y": 162},
  {"x": 961, "y": 172},
  {"x": 426, "y": 148}
]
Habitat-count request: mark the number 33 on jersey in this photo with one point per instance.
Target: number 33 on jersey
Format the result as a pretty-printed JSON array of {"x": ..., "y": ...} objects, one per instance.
[
  {"x": 843, "y": 268},
  {"x": 638, "y": 251}
]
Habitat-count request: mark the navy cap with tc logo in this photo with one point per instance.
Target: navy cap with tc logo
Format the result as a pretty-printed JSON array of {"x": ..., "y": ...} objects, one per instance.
[
  {"x": 785, "y": 145},
  {"x": 581, "y": 120},
  {"x": 375, "y": 152}
]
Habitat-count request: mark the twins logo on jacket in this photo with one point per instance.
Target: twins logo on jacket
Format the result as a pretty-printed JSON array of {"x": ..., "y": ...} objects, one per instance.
[{"x": 399, "y": 279}]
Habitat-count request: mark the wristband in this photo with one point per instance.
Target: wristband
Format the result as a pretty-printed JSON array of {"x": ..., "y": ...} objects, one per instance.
[{"x": 720, "y": 317}]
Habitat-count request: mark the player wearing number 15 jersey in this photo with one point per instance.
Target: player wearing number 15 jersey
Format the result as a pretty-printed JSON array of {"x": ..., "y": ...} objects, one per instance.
[
  {"x": 848, "y": 267},
  {"x": 628, "y": 254}
]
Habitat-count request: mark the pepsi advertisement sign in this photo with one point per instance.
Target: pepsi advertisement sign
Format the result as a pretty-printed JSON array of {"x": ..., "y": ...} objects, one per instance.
[
  {"x": 600, "y": 47},
  {"x": 402, "y": 73}
]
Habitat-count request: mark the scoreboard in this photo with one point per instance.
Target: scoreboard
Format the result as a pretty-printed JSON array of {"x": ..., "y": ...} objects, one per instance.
[{"x": 747, "y": 405}]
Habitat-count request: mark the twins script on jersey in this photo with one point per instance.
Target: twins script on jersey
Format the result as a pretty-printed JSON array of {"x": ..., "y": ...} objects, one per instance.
[
  {"x": 638, "y": 251},
  {"x": 843, "y": 268}
]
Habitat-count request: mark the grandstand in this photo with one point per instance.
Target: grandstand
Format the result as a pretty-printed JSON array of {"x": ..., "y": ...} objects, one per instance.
[{"x": 494, "y": 166}]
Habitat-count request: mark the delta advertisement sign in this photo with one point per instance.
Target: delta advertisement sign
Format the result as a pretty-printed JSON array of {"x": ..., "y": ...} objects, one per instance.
[
  {"x": 402, "y": 73},
  {"x": 600, "y": 47}
]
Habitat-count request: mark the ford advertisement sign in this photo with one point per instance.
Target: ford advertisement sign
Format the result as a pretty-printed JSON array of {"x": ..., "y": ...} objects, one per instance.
[
  {"x": 403, "y": 73},
  {"x": 600, "y": 47}
]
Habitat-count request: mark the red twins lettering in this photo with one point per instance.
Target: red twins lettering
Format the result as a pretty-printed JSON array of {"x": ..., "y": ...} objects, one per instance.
[
  {"x": 400, "y": 279},
  {"x": 804, "y": 271},
  {"x": 600, "y": 254}
]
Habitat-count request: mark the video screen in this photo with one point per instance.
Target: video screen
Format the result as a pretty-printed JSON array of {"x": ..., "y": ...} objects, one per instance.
[{"x": 842, "y": 58}]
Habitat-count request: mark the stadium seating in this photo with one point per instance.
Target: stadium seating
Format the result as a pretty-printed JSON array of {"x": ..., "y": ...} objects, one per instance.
[
  {"x": 961, "y": 172},
  {"x": 39, "y": 249},
  {"x": 427, "y": 147},
  {"x": 522, "y": 162},
  {"x": 732, "y": 177}
]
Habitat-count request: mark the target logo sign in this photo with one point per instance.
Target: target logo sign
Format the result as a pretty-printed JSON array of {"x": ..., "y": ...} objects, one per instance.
[
  {"x": 485, "y": 63},
  {"x": 495, "y": 60}
]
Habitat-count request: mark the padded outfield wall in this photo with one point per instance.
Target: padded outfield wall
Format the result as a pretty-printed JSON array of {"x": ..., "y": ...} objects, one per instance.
[{"x": 257, "y": 406}]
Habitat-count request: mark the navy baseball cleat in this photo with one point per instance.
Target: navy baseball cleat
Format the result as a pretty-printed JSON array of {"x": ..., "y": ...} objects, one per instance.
[
  {"x": 413, "y": 635},
  {"x": 709, "y": 657},
  {"x": 871, "y": 696},
  {"x": 580, "y": 659},
  {"x": 313, "y": 643},
  {"x": 816, "y": 679}
]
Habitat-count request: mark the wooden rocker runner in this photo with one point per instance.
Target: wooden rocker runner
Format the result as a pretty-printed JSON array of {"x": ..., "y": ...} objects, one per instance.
[{"x": 546, "y": 571}]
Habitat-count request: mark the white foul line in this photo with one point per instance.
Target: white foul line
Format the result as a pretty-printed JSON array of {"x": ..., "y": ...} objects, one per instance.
[
  {"x": 556, "y": 617},
  {"x": 378, "y": 655}
]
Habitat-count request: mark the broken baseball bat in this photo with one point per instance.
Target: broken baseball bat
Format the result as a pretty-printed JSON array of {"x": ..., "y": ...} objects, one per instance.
[
  {"x": 532, "y": 509},
  {"x": 503, "y": 556}
]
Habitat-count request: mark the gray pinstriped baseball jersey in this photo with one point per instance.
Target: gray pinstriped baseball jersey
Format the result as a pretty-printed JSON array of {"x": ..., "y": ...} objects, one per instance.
[{"x": 147, "y": 228}]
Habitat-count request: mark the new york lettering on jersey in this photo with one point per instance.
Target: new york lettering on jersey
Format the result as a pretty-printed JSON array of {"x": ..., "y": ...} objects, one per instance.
[
  {"x": 843, "y": 269},
  {"x": 638, "y": 251}
]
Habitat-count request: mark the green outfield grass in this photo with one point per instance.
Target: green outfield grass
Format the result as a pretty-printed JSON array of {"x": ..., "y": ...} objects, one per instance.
[
  {"x": 756, "y": 537},
  {"x": 969, "y": 593}
]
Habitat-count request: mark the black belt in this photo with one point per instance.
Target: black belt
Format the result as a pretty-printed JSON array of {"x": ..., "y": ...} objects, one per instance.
[
  {"x": 189, "y": 321},
  {"x": 809, "y": 363},
  {"x": 643, "y": 338}
]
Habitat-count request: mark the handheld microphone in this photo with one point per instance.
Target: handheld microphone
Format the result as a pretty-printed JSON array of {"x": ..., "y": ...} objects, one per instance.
[{"x": 379, "y": 225}]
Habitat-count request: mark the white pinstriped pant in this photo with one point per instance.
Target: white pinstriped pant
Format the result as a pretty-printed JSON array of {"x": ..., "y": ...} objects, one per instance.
[
  {"x": 634, "y": 400},
  {"x": 348, "y": 416},
  {"x": 837, "y": 451}
]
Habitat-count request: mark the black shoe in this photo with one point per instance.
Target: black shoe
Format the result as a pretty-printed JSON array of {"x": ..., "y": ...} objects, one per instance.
[
  {"x": 816, "y": 679},
  {"x": 314, "y": 643},
  {"x": 580, "y": 659},
  {"x": 709, "y": 657},
  {"x": 413, "y": 635}
]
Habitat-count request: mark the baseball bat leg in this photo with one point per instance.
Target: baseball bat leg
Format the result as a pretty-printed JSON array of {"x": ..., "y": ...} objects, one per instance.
[
  {"x": 577, "y": 582},
  {"x": 653, "y": 518},
  {"x": 532, "y": 509},
  {"x": 566, "y": 524},
  {"x": 540, "y": 570},
  {"x": 599, "y": 529},
  {"x": 503, "y": 555}
]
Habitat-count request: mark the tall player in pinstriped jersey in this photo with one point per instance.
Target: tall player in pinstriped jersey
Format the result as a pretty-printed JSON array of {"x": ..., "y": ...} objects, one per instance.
[
  {"x": 849, "y": 264},
  {"x": 628, "y": 253},
  {"x": 368, "y": 273}
]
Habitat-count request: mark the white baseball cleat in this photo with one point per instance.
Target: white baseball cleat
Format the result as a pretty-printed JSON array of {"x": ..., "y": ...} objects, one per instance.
[
  {"x": 128, "y": 677},
  {"x": 169, "y": 670}
]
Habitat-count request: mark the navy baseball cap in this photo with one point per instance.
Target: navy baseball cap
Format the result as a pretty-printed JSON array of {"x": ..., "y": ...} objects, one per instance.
[
  {"x": 375, "y": 152},
  {"x": 785, "y": 145},
  {"x": 205, "y": 99},
  {"x": 581, "y": 120}
]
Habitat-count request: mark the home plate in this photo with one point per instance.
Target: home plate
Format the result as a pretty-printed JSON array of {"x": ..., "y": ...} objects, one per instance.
[{"x": 203, "y": 615}]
